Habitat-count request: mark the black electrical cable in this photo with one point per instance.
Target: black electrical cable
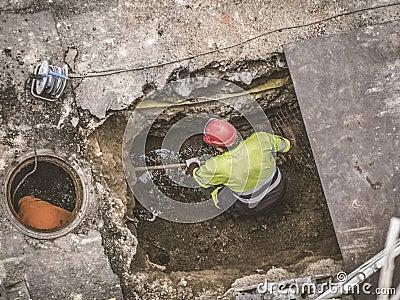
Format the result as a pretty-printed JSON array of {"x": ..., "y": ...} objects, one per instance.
[
  {"x": 117, "y": 71},
  {"x": 26, "y": 176}
]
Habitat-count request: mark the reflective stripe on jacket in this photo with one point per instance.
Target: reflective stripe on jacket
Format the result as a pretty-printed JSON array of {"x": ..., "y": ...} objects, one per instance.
[
  {"x": 245, "y": 169},
  {"x": 255, "y": 196}
]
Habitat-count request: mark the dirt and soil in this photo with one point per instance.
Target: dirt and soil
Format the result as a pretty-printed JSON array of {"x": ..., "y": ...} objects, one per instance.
[{"x": 300, "y": 222}]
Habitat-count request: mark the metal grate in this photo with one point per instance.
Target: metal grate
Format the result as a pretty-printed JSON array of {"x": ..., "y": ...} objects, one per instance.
[{"x": 287, "y": 121}]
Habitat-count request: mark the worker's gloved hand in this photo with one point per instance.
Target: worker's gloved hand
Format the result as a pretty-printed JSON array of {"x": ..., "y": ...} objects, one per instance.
[
  {"x": 192, "y": 164},
  {"x": 193, "y": 160}
]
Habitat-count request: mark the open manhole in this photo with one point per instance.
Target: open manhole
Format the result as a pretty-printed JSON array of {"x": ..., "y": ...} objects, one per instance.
[{"x": 49, "y": 178}]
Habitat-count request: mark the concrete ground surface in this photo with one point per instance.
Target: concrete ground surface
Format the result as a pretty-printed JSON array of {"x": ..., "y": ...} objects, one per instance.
[
  {"x": 370, "y": 120},
  {"x": 92, "y": 36},
  {"x": 360, "y": 87}
]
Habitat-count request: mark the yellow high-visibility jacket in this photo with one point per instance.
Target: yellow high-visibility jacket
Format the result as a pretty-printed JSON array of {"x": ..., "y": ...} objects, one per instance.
[{"x": 246, "y": 167}]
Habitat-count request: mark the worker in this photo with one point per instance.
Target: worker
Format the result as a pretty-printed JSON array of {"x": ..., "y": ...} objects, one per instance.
[
  {"x": 40, "y": 214},
  {"x": 247, "y": 168}
]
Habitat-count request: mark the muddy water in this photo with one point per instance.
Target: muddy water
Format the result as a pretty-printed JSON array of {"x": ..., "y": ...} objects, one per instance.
[
  {"x": 174, "y": 182},
  {"x": 50, "y": 183}
]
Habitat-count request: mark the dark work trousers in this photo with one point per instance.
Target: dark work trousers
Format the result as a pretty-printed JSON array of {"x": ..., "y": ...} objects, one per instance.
[{"x": 240, "y": 208}]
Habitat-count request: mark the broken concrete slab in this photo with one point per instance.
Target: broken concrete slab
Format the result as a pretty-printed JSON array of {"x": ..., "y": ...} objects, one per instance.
[
  {"x": 23, "y": 45},
  {"x": 62, "y": 269},
  {"x": 349, "y": 94},
  {"x": 75, "y": 265},
  {"x": 72, "y": 265},
  {"x": 109, "y": 36}
]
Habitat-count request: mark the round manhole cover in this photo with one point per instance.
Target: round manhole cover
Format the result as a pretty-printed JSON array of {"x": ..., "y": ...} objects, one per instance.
[{"x": 42, "y": 188}]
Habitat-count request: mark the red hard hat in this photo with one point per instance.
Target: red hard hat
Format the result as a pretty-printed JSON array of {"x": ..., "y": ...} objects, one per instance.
[{"x": 219, "y": 132}]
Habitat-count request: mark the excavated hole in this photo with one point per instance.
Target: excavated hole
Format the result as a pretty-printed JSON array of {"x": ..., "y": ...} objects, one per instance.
[
  {"x": 301, "y": 224},
  {"x": 293, "y": 235}
]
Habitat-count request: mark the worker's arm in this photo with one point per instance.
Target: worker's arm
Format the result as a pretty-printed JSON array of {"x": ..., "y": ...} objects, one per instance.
[
  {"x": 281, "y": 144},
  {"x": 207, "y": 175}
]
